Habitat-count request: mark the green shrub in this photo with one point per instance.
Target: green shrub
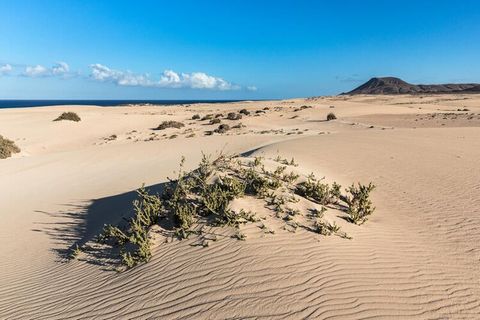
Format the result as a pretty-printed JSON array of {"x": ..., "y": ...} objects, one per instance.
[
  {"x": 331, "y": 116},
  {"x": 203, "y": 197},
  {"x": 326, "y": 228},
  {"x": 134, "y": 239},
  {"x": 169, "y": 124},
  {"x": 359, "y": 203},
  {"x": 318, "y": 191},
  {"x": 72, "y": 116},
  {"x": 7, "y": 148}
]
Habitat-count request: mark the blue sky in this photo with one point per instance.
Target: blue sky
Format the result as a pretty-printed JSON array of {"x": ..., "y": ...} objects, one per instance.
[{"x": 230, "y": 49}]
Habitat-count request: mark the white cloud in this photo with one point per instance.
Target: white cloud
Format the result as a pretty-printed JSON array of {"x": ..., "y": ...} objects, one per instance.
[
  {"x": 168, "y": 79},
  {"x": 104, "y": 73},
  {"x": 252, "y": 88},
  {"x": 6, "y": 68},
  {"x": 36, "y": 71},
  {"x": 60, "y": 68}
]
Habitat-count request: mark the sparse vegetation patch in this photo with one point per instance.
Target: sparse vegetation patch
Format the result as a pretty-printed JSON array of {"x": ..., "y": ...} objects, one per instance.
[
  {"x": 203, "y": 197},
  {"x": 234, "y": 116},
  {"x": 169, "y": 124},
  {"x": 71, "y": 116},
  {"x": 7, "y": 148}
]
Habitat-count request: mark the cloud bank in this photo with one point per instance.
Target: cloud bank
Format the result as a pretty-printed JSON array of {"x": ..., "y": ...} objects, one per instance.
[
  {"x": 102, "y": 73},
  {"x": 168, "y": 79},
  {"x": 58, "y": 69}
]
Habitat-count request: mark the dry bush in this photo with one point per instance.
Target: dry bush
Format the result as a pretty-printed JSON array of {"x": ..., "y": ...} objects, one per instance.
[
  {"x": 331, "y": 116},
  {"x": 196, "y": 117},
  {"x": 234, "y": 116},
  {"x": 71, "y": 116},
  {"x": 7, "y": 148},
  {"x": 169, "y": 124},
  {"x": 223, "y": 128}
]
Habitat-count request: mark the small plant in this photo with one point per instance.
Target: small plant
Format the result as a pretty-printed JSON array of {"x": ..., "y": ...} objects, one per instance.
[
  {"x": 326, "y": 228},
  {"x": 244, "y": 111},
  {"x": 7, "y": 148},
  {"x": 331, "y": 116},
  {"x": 234, "y": 116},
  {"x": 215, "y": 121},
  {"x": 169, "y": 124},
  {"x": 134, "y": 240},
  {"x": 196, "y": 117},
  {"x": 72, "y": 116},
  {"x": 318, "y": 191},
  {"x": 318, "y": 213},
  {"x": 359, "y": 203},
  {"x": 223, "y": 128},
  {"x": 75, "y": 252}
]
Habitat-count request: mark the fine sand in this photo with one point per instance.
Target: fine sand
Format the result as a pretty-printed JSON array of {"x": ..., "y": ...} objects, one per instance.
[{"x": 417, "y": 257}]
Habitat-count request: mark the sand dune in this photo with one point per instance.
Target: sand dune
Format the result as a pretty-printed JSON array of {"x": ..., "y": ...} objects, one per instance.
[{"x": 416, "y": 258}]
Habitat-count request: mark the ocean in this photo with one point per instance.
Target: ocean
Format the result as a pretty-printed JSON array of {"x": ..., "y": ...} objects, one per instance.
[{"x": 103, "y": 103}]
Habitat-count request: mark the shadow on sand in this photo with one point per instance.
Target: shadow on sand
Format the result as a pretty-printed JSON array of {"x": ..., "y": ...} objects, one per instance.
[{"x": 79, "y": 226}]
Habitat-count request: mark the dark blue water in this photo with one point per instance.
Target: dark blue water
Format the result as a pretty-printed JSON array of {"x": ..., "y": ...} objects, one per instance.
[{"x": 103, "y": 103}]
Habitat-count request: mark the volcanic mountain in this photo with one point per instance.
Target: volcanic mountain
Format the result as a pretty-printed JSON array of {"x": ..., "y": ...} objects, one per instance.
[{"x": 391, "y": 85}]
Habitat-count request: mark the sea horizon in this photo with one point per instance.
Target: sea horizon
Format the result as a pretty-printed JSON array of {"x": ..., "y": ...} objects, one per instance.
[{"x": 28, "y": 103}]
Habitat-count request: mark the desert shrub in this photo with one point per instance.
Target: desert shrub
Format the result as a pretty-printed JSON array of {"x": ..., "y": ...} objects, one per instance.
[
  {"x": 331, "y": 116},
  {"x": 222, "y": 128},
  {"x": 244, "y": 111},
  {"x": 219, "y": 115},
  {"x": 72, "y": 116},
  {"x": 326, "y": 228},
  {"x": 169, "y": 124},
  {"x": 234, "y": 116},
  {"x": 134, "y": 240},
  {"x": 215, "y": 121},
  {"x": 7, "y": 148},
  {"x": 196, "y": 117},
  {"x": 321, "y": 192},
  {"x": 359, "y": 203},
  {"x": 203, "y": 197}
]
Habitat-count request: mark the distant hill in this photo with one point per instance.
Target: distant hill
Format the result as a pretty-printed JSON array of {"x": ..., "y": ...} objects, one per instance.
[{"x": 391, "y": 85}]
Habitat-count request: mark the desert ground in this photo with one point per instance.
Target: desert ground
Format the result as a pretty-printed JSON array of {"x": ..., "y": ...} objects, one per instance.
[{"x": 417, "y": 256}]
